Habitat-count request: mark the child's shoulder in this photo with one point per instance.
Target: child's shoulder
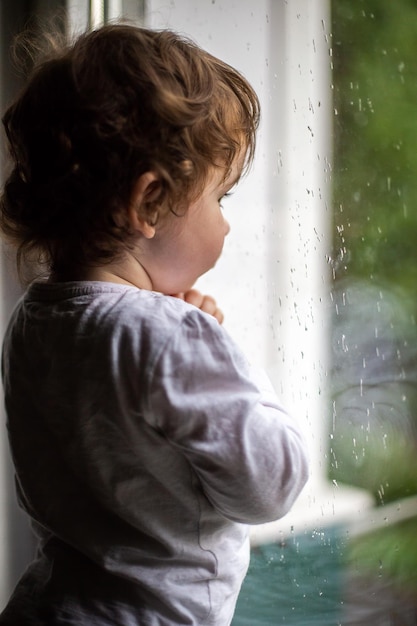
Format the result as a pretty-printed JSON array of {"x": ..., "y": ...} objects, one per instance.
[
  {"x": 152, "y": 326},
  {"x": 100, "y": 309},
  {"x": 155, "y": 309},
  {"x": 167, "y": 317},
  {"x": 168, "y": 323}
]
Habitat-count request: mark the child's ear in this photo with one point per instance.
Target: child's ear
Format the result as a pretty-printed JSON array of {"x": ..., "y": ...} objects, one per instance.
[{"x": 146, "y": 191}]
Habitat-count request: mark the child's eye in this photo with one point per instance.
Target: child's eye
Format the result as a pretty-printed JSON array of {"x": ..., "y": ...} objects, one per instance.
[{"x": 226, "y": 195}]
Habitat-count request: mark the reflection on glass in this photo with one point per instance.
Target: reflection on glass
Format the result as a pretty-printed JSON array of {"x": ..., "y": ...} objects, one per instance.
[{"x": 374, "y": 371}]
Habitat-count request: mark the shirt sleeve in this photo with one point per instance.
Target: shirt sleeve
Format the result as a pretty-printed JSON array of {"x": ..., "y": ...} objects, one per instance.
[{"x": 226, "y": 420}]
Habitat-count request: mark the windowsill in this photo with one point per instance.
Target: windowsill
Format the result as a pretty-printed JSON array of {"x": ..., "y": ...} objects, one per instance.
[{"x": 321, "y": 504}]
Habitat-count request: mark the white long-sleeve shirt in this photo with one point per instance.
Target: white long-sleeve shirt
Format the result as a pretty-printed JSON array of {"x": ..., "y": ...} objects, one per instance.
[{"x": 144, "y": 445}]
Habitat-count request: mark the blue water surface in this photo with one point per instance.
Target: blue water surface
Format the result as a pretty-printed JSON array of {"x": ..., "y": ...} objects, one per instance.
[{"x": 297, "y": 582}]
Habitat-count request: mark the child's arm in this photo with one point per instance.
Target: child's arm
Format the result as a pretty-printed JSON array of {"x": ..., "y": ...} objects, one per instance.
[{"x": 226, "y": 420}]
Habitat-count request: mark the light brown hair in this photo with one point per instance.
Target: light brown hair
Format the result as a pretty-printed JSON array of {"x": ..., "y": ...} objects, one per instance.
[{"x": 97, "y": 114}]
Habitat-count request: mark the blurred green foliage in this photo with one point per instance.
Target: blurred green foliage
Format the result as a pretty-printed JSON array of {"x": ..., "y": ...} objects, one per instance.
[
  {"x": 374, "y": 51},
  {"x": 390, "y": 552}
]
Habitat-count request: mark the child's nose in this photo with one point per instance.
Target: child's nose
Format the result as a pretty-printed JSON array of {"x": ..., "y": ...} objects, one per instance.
[{"x": 226, "y": 228}]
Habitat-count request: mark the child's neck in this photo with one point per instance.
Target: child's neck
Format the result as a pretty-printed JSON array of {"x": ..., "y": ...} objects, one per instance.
[
  {"x": 125, "y": 272},
  {"x": 107, "y": 275}
]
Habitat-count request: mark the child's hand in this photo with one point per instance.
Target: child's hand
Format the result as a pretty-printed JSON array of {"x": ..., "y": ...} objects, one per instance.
[{"x": 202, "y": 302}]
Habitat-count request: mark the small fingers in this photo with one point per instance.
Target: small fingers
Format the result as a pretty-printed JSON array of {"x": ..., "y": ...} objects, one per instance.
[
  {"x": 205, "y": 303},
  {"x": 218, "y": 315},
  {"x": 194, "y": 297}
]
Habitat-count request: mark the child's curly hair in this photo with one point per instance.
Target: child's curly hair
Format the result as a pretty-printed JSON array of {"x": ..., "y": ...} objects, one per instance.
[{"x": 97, "y": 114}]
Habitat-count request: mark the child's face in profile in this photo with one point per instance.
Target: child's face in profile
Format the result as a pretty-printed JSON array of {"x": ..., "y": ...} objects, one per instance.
[{"x": 185, "y": 247}]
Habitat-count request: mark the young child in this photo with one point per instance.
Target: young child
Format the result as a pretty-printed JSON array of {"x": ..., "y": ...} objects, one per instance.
[{"x": 143, "y": 442}]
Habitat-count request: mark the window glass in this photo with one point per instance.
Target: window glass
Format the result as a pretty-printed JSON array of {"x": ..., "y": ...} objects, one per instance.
[
  {"x": 362, "y": 569},
  {"x": 374, "y": 425}
]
